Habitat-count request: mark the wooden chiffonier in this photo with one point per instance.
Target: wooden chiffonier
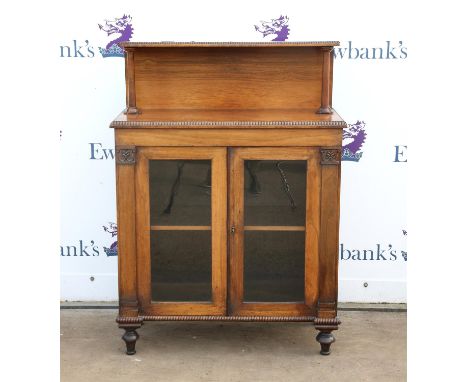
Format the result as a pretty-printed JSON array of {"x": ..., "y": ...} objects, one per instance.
[{"x": 228, "y": 185}]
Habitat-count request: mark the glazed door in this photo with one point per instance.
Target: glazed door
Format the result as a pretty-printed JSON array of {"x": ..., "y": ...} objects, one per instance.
[
  {"x": 274, "y": 227},
  {"x": 181, "y": 209}
]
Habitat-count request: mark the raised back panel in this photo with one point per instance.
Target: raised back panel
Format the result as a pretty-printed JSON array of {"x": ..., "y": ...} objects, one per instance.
[{"x": 228, "y": 78}]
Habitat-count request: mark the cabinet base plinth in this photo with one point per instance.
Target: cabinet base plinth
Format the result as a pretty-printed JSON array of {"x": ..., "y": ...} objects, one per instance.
[{"x": 324, "y": 325}]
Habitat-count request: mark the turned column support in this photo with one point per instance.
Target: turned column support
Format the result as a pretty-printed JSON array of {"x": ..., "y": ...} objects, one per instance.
[
  {"x": 130, "y": 88},
  {"x": 327, "y": 55}
]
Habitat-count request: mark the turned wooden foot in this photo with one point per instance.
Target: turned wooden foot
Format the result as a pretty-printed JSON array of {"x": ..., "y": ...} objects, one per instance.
[
  {"x": 130, "y": 337},
  {"x": 130, "y": 325},
  {"x": 325, "y": 339}
]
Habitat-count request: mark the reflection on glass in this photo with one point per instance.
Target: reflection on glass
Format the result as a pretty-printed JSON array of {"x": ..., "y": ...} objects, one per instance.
[
  {"x": 180, "y": 192},
  {"x": 180, "y": 202},
  {"x": 181, "y": 265},
  {"x": 274, "y": 266},
  {"x": 275, "y": 192}
]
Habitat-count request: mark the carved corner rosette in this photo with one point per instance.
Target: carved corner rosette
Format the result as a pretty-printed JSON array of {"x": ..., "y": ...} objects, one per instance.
[
  {"x": 125, "y": 155},
  {"x": 330, "y": 156}
]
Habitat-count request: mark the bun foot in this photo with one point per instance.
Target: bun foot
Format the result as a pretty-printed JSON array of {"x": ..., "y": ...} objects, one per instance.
[{"x": 325, "y": 339}]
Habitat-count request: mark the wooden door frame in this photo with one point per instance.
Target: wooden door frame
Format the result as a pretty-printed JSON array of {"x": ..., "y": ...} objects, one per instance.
[
  {"x": 218, "y": 157},
  {"x": 236, "y": 304}
]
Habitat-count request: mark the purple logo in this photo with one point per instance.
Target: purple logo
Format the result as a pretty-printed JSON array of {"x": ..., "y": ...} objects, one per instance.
[
  {"x": 353, "y": 138},
  {"x": 120, "y": 30},
  {"x": 278, "y": 27},
  {"x": 112, "y": 229}
]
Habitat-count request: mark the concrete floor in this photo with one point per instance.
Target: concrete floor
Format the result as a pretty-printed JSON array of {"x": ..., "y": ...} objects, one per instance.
[{"x": 370, "y": 346}]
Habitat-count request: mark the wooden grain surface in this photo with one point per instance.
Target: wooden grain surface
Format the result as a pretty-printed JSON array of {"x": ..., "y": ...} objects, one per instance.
[
  {"x": 234, "y": 137},
  {"x": 236, "y": 238},
  {"x": 329, "y": 240},
  {"x": 228, "y": 78},
  {"x": 142, "y": 196},
  {"x": 312, "y": 238},
  {"x": 229, "y": 102},
  {"x": 126, "y": 232}
]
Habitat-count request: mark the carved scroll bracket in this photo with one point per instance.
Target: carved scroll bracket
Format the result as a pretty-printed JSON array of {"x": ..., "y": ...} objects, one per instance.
[
  {"x": 125, "y": 154},
  {"x": 330, "y": 156}
]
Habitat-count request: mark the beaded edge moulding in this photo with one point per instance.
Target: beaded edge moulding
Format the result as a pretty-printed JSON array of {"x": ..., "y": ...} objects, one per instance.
[
  {"x": 224, "y": 123},
  {"x": 130, "y": 44}
]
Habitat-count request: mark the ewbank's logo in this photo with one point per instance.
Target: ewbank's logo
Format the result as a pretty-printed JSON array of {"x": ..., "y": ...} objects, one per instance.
[
  {"x": 386, "y": 51},
  {"x": 376, "y": 252},
  {"x": 88, "y": 248},
  {"x": 353, "y": 139},
  {"x": 112, "y": 229},
  {"x": 121, "y": 30},
  {"x": 277, "y": 27}
]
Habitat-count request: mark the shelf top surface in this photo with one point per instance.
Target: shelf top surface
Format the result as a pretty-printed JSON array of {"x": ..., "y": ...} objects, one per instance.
[
  {"x": 229, "y": 118},
  {"x": 226, "y": 44}
]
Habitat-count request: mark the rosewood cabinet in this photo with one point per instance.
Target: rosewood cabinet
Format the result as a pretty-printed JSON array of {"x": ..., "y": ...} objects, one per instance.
[{"x": 228, "y": 185}]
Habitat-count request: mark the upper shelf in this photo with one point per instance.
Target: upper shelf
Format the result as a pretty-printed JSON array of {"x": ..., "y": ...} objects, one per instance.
[
  {"x": 193, "y": 118},
  {"x": 225, "y": 44},
  {"x": 229, "y": 76}
]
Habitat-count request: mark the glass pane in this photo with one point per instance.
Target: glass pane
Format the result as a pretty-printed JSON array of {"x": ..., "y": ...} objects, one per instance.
[
  {"x": 274, "y": 266},
  {"x": 181, "y": 265},
  {"x": 180, "y": 195},
  {"x": 275, "y": 192},
  {"x": 180, "y": 192}
]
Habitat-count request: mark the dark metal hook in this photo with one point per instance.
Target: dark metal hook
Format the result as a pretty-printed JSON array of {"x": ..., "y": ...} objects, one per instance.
[
  {"x": 286, "y": 187},
  {"x": 174, "y": 188}
]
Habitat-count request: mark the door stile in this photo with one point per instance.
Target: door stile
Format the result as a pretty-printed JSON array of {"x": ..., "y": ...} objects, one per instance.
[
  {"x": 236, "y": 231},
  {"x": 311, "y": 274},
  {"x": 218, "y": 228},
  {"x": 143, "y": 230}
]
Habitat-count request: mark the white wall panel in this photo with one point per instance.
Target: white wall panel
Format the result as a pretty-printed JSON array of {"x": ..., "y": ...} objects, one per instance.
[{"x": 372, "y": 91}]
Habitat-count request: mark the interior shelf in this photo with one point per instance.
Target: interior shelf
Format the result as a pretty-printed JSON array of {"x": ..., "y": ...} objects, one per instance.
[{"x": 208, "y": 228}]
